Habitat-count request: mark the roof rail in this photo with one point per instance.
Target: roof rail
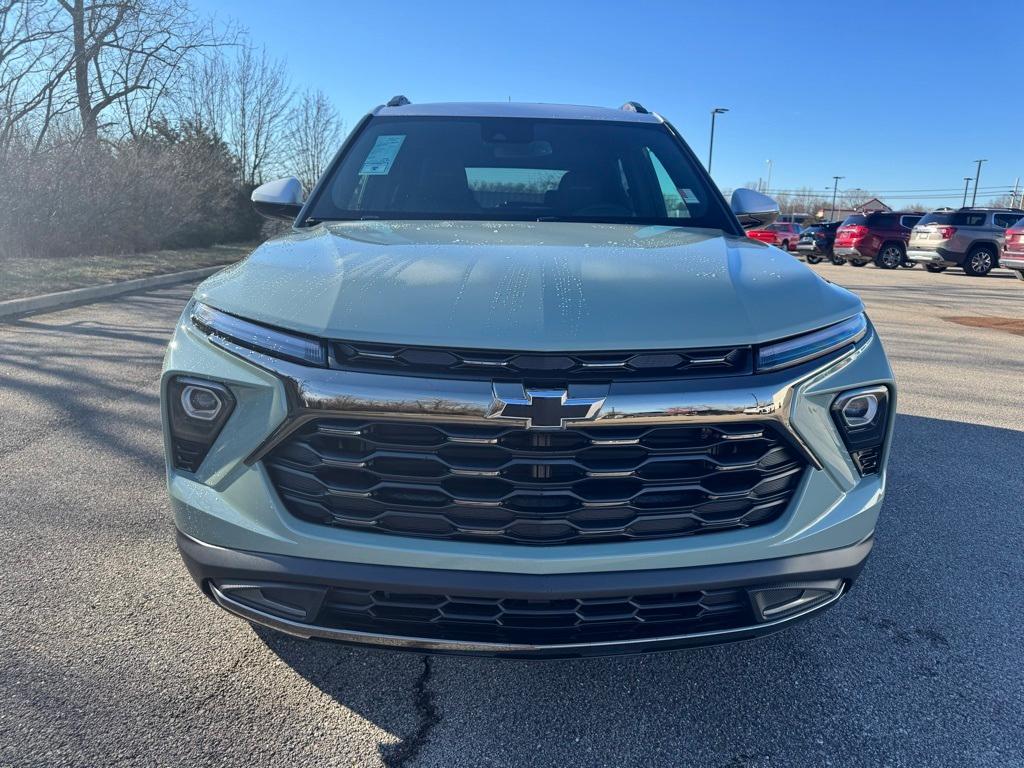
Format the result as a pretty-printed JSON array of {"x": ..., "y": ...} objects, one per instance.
[
  {"x": 634, "y": 106},
  {"x": 397, "y": 101}
]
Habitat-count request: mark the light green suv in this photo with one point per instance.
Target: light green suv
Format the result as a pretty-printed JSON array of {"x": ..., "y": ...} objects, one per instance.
[{"x": 517, "y": 383}]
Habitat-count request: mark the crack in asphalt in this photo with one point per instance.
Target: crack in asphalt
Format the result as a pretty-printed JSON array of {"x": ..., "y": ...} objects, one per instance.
[{"x": 427, "y": 716}]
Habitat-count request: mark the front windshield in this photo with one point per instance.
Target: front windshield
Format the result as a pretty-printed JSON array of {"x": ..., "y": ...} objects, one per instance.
[{"x": 518, "y": 169}]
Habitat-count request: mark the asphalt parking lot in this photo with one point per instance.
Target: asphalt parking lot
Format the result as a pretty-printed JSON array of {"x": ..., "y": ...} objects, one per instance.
[{"x": 110, "y": 656}]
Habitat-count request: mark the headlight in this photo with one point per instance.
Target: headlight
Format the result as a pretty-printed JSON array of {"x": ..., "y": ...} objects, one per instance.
[
  {"x": 800, "y": 349},
  {"x": 285, "y": 345}
]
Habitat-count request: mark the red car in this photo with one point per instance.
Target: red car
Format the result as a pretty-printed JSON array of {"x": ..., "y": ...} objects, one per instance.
[
  {"x": 1013, "y": 250},
  {"x": 879, "y": 236},
  {"x": 784, "y": 234}
]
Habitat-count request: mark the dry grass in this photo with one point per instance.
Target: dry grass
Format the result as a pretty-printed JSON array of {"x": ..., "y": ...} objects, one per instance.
[
  {"x": 1009, "y": 324},
  {"x": 22, "y": 276}
]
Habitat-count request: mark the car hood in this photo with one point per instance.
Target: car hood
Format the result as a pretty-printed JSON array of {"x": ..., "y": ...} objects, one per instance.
[{"x": 528, "y": 286}]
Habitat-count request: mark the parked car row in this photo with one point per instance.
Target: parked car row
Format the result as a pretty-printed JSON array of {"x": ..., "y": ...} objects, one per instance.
[
  {"x": 976, "y": 240},
  {"x": 783, "y": 234}
]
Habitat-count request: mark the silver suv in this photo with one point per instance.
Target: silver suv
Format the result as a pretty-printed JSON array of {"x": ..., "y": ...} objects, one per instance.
[{"x": 970, "y": 238}]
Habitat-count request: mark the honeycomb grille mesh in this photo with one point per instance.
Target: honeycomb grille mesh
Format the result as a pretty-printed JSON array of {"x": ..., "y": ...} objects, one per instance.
[
  {"x": 536, "y": 621},
  {"x": 511, "y": 485}
]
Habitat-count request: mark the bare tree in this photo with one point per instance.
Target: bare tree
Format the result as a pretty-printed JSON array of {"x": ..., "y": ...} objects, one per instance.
[
  {"x": 127, "y": 54},
  {"x": 33, "y": 63},
  {"x": 261, "y": 98},
  {"x": 204, "y": 98},
  {"x": 315, "y": 131}
]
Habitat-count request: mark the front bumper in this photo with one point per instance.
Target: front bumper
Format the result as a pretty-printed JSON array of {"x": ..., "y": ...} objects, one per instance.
[
  {"x": 231, "y": 505},
  {"x": 294, "y": 595}
]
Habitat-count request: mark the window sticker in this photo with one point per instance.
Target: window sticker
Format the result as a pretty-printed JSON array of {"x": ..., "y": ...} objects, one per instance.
[
  {"x": 382, "y": 156},
  {"x": 688, "y": 196}
]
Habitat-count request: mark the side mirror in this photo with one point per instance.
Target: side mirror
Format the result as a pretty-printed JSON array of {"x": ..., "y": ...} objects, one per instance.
[
  {"x": 278, "y": 199},
  {"x": 753, "y": 209}
]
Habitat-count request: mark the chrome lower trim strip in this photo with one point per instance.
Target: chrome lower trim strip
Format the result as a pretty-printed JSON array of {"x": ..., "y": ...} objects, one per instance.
[{"x": 308, "y": 631}]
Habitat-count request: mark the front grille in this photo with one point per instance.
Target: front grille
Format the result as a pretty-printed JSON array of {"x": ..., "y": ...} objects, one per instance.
[
  {"x": 540, "y": 622},
  {"x": 509, "y": 485},
  {"x": 542, "y": 366}
]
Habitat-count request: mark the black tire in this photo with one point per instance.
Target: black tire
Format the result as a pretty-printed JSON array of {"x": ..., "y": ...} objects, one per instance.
[
  {"x": 908, "y": 264},
  {"x": 813, "y": 259},
  {"x": 857, "y": 263},
  {"x": 890, "y": 256},
  {"x": 785, "y": 246},
  {"x": 837, "y": 260},
  {"x": 979, "y": 261},
  {"x": 935, "y": 268}
]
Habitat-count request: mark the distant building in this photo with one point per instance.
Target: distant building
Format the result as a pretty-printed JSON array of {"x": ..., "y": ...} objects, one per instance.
[
  {"x": 868, "y": 206},
  {"x": 874, "y": 204}
]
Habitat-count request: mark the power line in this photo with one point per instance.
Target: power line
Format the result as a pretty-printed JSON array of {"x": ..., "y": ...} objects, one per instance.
[{"x": 950, "y": 190}]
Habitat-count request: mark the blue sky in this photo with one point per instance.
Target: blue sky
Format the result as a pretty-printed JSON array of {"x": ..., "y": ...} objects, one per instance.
[{"x": 892, "y": 95}]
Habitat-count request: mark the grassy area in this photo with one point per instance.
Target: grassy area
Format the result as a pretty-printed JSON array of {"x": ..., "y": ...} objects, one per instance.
[{"x": 22, "y": 276}]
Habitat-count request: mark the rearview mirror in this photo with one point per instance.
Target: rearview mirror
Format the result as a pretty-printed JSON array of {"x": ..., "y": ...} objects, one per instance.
[
  {"x": 753, "y": 209},
  {"x": 278, "y": 199}
]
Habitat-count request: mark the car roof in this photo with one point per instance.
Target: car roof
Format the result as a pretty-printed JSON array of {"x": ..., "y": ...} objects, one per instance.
[
  {"x": 990, "y": 210},
  {"x": 515, "y": 109}
]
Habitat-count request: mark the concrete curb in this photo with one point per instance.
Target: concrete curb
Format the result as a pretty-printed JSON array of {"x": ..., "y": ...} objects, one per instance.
[{"x": 61, "y": 299}]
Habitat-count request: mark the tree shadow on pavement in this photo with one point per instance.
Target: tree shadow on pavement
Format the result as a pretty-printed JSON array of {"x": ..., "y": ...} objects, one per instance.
[{"x": 917, "y": 666}]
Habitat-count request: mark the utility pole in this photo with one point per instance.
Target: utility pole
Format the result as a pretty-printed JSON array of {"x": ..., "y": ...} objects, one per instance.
[
  {"x": 835, "y": 191},
  {"x": 768, "y": 188},
  {"x": 977, "y": 176},
  {"x": 967, "y": 183},
  {"x": 711, "y": 146},
  {"x": 1013, "y": 201}
]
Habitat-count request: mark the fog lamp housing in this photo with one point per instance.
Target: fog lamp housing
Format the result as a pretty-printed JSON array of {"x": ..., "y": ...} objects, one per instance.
[
  {"x": 197, "y": 411},
  {"x": 780, "y": 601},
  {"x": 862, "y": 417}
]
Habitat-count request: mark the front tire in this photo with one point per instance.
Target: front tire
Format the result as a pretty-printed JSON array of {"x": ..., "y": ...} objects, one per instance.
[
  {"x": 935, "y": 268},
  {"x": 812, "y": 259},
  {"x": 979, "y": 261},
  {"x": 857, "y": 263},
  {"x": 837, "y": 260},
  {"x": 785, "y": 246},
  {"x": 890, "y": 257}
]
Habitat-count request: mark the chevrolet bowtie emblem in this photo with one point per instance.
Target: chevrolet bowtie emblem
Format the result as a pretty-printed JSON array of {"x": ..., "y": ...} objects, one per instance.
[{"x": 545, "y": 408}]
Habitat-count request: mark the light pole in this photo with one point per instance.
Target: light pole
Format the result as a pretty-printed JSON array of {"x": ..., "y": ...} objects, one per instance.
[
  {"x": 835, "y": 191},
  {"x": 977, "y": 175},
  {"x": 967, "y": 183},
  {"x": 711, "y": 147}
]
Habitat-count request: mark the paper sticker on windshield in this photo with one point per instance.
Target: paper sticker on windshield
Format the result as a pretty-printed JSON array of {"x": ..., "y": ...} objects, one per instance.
[
  {"x": 688, "y": 196},
  {"x": 382, "y": 156}
]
